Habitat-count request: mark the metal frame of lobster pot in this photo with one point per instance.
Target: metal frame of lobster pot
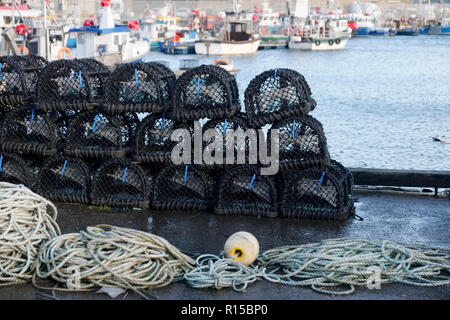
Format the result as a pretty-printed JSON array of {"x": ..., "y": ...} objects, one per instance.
[
  {"x": 315, "y": 194},
  {"x": 243, "y": 191},
  {"x": 183, "y": 188},
  {"x": 120, "y": 183},
  {"x": 77, "y": 84},
  {"x": 28, "y": 131},
  {"x": 100, "y": 135},
  {"x": 302, "y": 143},
  {"x": 18, "y": 79},
  {"x": 204, "y": 92},
  {"x": 64, "y": 179},
  {"x": 277, "y": 94},
  {"x": 140, "y": 87},
  {"x": 14, "y": 169}
]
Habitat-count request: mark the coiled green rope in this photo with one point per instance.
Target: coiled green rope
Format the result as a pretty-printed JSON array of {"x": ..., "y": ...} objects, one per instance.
[
  {"x": 108, "y": 256},
  {"x": 328, "y": 266}
]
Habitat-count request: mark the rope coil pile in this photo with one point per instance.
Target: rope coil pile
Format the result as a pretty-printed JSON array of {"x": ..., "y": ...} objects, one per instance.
[
  {"x": 328, "y": 266},
  {"x": 108, "y": 256},
  {"x": 25, "y": 224}
]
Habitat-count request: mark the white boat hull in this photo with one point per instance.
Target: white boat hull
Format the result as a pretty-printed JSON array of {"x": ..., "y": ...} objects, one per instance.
[
  {"x": 216, "y": 48},
  {"x": 316, "y": 44}
]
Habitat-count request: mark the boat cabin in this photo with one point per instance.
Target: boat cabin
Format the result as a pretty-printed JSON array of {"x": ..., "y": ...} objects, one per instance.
[{"x": 237, "y": 31}]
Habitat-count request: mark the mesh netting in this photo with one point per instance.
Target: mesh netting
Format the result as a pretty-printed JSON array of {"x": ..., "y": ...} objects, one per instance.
[
  {"x": 204, "y": 92},
  {"x": 153, "y": 143},
  {"x": 186, "y": 188},
  {"x": 227, "y": 130},
  {"x": 61, "y": 120},
  {"x": 347, "y": 180},
  {"x": 100, "y": 135},
  {"x": 72, "y": 84},
  {"x": 315, "y": 193},
  {"x": 28, "y": 131},
  {"x": 243, "y": 191},
  {"x": 14, "y": 169},
  {"x": 64, "y": 179},
  {"x": 140, "y": 87},
  {"x": 120, "y": 183},
  {"x": 302, "y": 143},
  {"x": 277, "y": 94},
  {"x": 18, "y": 77}
]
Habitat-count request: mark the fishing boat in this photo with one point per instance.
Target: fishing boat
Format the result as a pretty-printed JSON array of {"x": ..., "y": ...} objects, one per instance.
[
  {"x": 407, "y": 31},
  {"x": 319, "y": 34},
  {"x": 271, "y": 29},
  {"x": 181, "y": 43},
  {"x": 441, "y": 27},
  {"x": 109, "y": 43},
  {"x": 236, "y": 38}
]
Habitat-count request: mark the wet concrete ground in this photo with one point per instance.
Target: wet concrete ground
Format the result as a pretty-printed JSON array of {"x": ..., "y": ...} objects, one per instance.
[{"x": 400, "y": 218}]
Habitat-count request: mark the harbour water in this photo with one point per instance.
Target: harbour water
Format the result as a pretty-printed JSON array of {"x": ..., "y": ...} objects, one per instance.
[{"x": 381, "y": 100}]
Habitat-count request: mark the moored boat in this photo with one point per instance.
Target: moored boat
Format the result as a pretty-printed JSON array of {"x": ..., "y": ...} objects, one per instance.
[
  {"x": 235, "y": 39},
  {"x": 109, "y": 43}
]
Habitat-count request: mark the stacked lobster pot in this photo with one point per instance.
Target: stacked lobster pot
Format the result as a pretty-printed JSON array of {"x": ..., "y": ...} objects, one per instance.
[
  {"x": 309, "y": 184},
  {"x": 202, "y": 94},
  {"x": 26, "y": 135},
  {"x": 74, "y": 131}
]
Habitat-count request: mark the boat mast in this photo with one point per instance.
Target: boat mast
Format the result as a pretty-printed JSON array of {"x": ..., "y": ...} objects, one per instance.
[{"x": 45, "y": 29}]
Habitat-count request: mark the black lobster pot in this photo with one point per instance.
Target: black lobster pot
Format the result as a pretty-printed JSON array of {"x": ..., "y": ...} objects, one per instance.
[
  {"x": 275, "y": 95},
  {"x": 153, "y": 139},
  {"x": 100, "y": 135},
  {"x": 243, "y": 191},
  {"x": 18, "y": 78},
  {"x": 205, "y": 92},
  {"x": 232, "y": 133},
  {"x": 28, "y": 131},
  {"x": 77, "y": 84},
  {"x": 140, "y": 87},
  {"x": 119, "y": 183},
  {"x": 182, "y": 188},
  {"x": 302, "y": 143},
  {"x": 315, "y": 194},
  {"x": 342, "y": 173},
  {"x": 14, "y": 169},
  {"x": 64, "y": 179}
]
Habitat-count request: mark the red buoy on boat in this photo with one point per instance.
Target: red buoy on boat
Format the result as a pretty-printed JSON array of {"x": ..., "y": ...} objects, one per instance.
[
  {"x": 133, "y": 25},
  {"x": 21, "y": 29}
]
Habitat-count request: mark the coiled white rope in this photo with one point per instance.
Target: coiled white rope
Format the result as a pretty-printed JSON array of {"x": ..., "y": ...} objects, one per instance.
[
  {"x": 113, "y": 257},
  {"x": 25, "y": 225},
  {"x": 329, "y": 265}
]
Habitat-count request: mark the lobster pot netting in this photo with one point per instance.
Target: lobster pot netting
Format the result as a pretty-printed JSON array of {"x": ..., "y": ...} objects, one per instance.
[
  {"x": 64, "y": 179},
  {"x": 228, "y": 141},
  {"x": 302, "y": 143},
  {"x": 153, "y": 139},
  {"x": 232, "y": 83},
  {"x": 14, "y": 169},
  {"x": 183, "y": 188},
  {"x": 139, "y": 87},
  {"x": 119, "y": 183},
  {"x": 243, "y": 191},
  {"x": 71, "y": 84},
  {"x": 61, "y": 120},
  {"x": 347, "y": 180},
  {"x": 18, "y": 77},
  {"x": 315, "y": 194},
  {"x": 99, "y": 135},
  {"x": 29, "y": 132},
  {"x": 204, "y": 92},
  {"x": 277, "y": 94}
]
